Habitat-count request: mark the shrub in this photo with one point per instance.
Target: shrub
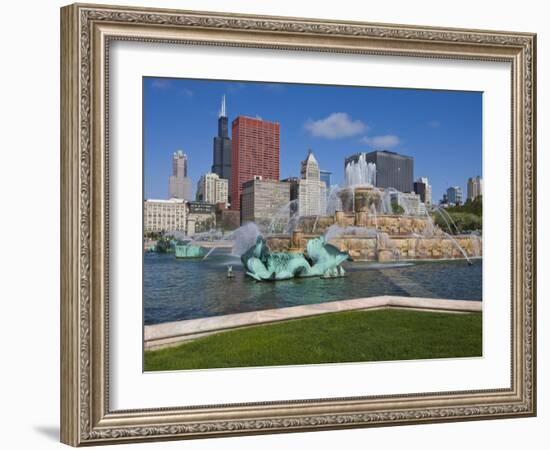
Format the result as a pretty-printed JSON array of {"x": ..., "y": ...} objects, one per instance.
[
  {"x": 464, "y": 222},
  {"x": 397, "y": 209}
]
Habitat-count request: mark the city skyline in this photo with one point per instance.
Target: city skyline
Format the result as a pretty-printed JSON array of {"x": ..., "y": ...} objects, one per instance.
[{"x": 183, "y": 115}]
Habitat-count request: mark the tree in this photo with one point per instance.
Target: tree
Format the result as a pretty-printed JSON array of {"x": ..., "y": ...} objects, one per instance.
[
  {"x": 464, "y": 222},
  {"x": 471, "y": 206},
  {"x": 397, "y": 208},
  {"x": 153, "y": 235}
]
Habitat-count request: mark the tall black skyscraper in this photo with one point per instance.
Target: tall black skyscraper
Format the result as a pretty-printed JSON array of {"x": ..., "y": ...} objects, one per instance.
[
  {"x": 222, "y": 148},
  {"x": 392, "y": 169}
]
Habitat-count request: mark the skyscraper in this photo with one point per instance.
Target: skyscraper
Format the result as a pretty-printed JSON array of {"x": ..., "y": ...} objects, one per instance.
[
  {"x": 255, "y": 153},
  {"x": 312, "y": 198},
  {"x": 179, "y": 184},
  {"x": 475, "y": 187},
  {"x": 392, "y": 169},
  {"x": 212, "y": 189},
  {"x": 454, "y": 195},
  {"x": 423, "y": 188},
  {"x": 222, "y": 147},
  {"x": 326, "y": 176}
]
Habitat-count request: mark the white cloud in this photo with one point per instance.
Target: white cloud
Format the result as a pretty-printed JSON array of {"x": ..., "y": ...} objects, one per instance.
[
  {"x": 337, "y": 125},
  {"x": 382, "y": 142},
  {"x": 161, "y": 83},
  {"x": 165, "y": 84}
]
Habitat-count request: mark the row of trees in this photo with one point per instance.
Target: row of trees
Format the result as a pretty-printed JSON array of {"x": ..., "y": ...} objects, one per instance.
[
  {"x": 471, "y": 206},
  {"x": 466, "y": 217}
]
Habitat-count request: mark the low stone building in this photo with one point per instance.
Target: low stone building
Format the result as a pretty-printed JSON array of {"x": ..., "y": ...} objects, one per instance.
[
  {"x": 201, "y": 217},
  {"x": 262, "y": 199},
  {"x": 409, "y": 201},
  {"x": 164, "y": 215},
  {"x": 227, "y": 219}
]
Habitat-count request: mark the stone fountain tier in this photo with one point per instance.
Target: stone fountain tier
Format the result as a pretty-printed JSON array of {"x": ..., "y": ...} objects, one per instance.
[
  {"x": 408, "y": 247},
  {"x": 385, "y": 248},
  {"x": 360, "y": 198},
  {"x": 395, "y": 225}
]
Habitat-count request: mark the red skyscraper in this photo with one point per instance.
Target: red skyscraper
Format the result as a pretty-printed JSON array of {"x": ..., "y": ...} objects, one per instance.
[{"x": 254, "y": 152}]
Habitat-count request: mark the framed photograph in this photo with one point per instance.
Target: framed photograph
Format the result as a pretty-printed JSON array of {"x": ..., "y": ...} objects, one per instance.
[{"x": 276, "y": 224}]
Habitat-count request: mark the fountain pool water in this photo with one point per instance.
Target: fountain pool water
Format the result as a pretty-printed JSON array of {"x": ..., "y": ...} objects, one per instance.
[{"x": 175, "y": 289}]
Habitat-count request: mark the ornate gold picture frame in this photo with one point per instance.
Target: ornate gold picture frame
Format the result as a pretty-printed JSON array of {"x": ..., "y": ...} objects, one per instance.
[{"x": 87, "y": 31}]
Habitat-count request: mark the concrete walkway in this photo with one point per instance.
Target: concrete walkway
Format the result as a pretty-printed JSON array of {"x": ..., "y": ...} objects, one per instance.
[{"x": 173, "y": 333}]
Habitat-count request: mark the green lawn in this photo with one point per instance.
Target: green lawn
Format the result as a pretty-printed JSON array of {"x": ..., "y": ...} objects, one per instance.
[{"x": 378, "y": 335}]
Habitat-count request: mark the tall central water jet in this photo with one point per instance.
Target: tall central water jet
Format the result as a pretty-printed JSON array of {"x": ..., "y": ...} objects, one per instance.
[{"x": 359, "y": 172}]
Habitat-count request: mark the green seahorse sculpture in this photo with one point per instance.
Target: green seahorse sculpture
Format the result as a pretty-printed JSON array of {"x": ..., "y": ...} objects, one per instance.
[{"x": 322, "y": 260}]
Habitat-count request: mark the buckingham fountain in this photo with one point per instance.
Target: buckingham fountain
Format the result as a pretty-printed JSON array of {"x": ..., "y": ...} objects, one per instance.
[
  {"x": 362, "y": 223},
  {"x": 367, "y": 242}
]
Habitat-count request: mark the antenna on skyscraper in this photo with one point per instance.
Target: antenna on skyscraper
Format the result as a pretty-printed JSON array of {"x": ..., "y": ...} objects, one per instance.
[{"x": 222, "y": 109}]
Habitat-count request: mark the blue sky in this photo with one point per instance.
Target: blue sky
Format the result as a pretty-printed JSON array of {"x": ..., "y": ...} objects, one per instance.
[{"x": 442, "y": 130}]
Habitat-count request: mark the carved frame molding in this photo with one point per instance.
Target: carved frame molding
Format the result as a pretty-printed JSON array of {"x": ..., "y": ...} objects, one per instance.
[{"x": 86, "y": 33}]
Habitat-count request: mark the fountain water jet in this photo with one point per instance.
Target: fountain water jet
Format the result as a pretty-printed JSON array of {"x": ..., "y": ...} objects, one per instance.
[
  {"x": 285, "y": 219},
  {"x": 360, "y": 172},
  {"x": 476, "y": 243},
  {"x": 244, "y": 238},
  {"x": 361, "y": 220},
  {"x": 315, "y": 223},
  {"x": 209, "y": 252},
  {"x": 447, "y": 218}
]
